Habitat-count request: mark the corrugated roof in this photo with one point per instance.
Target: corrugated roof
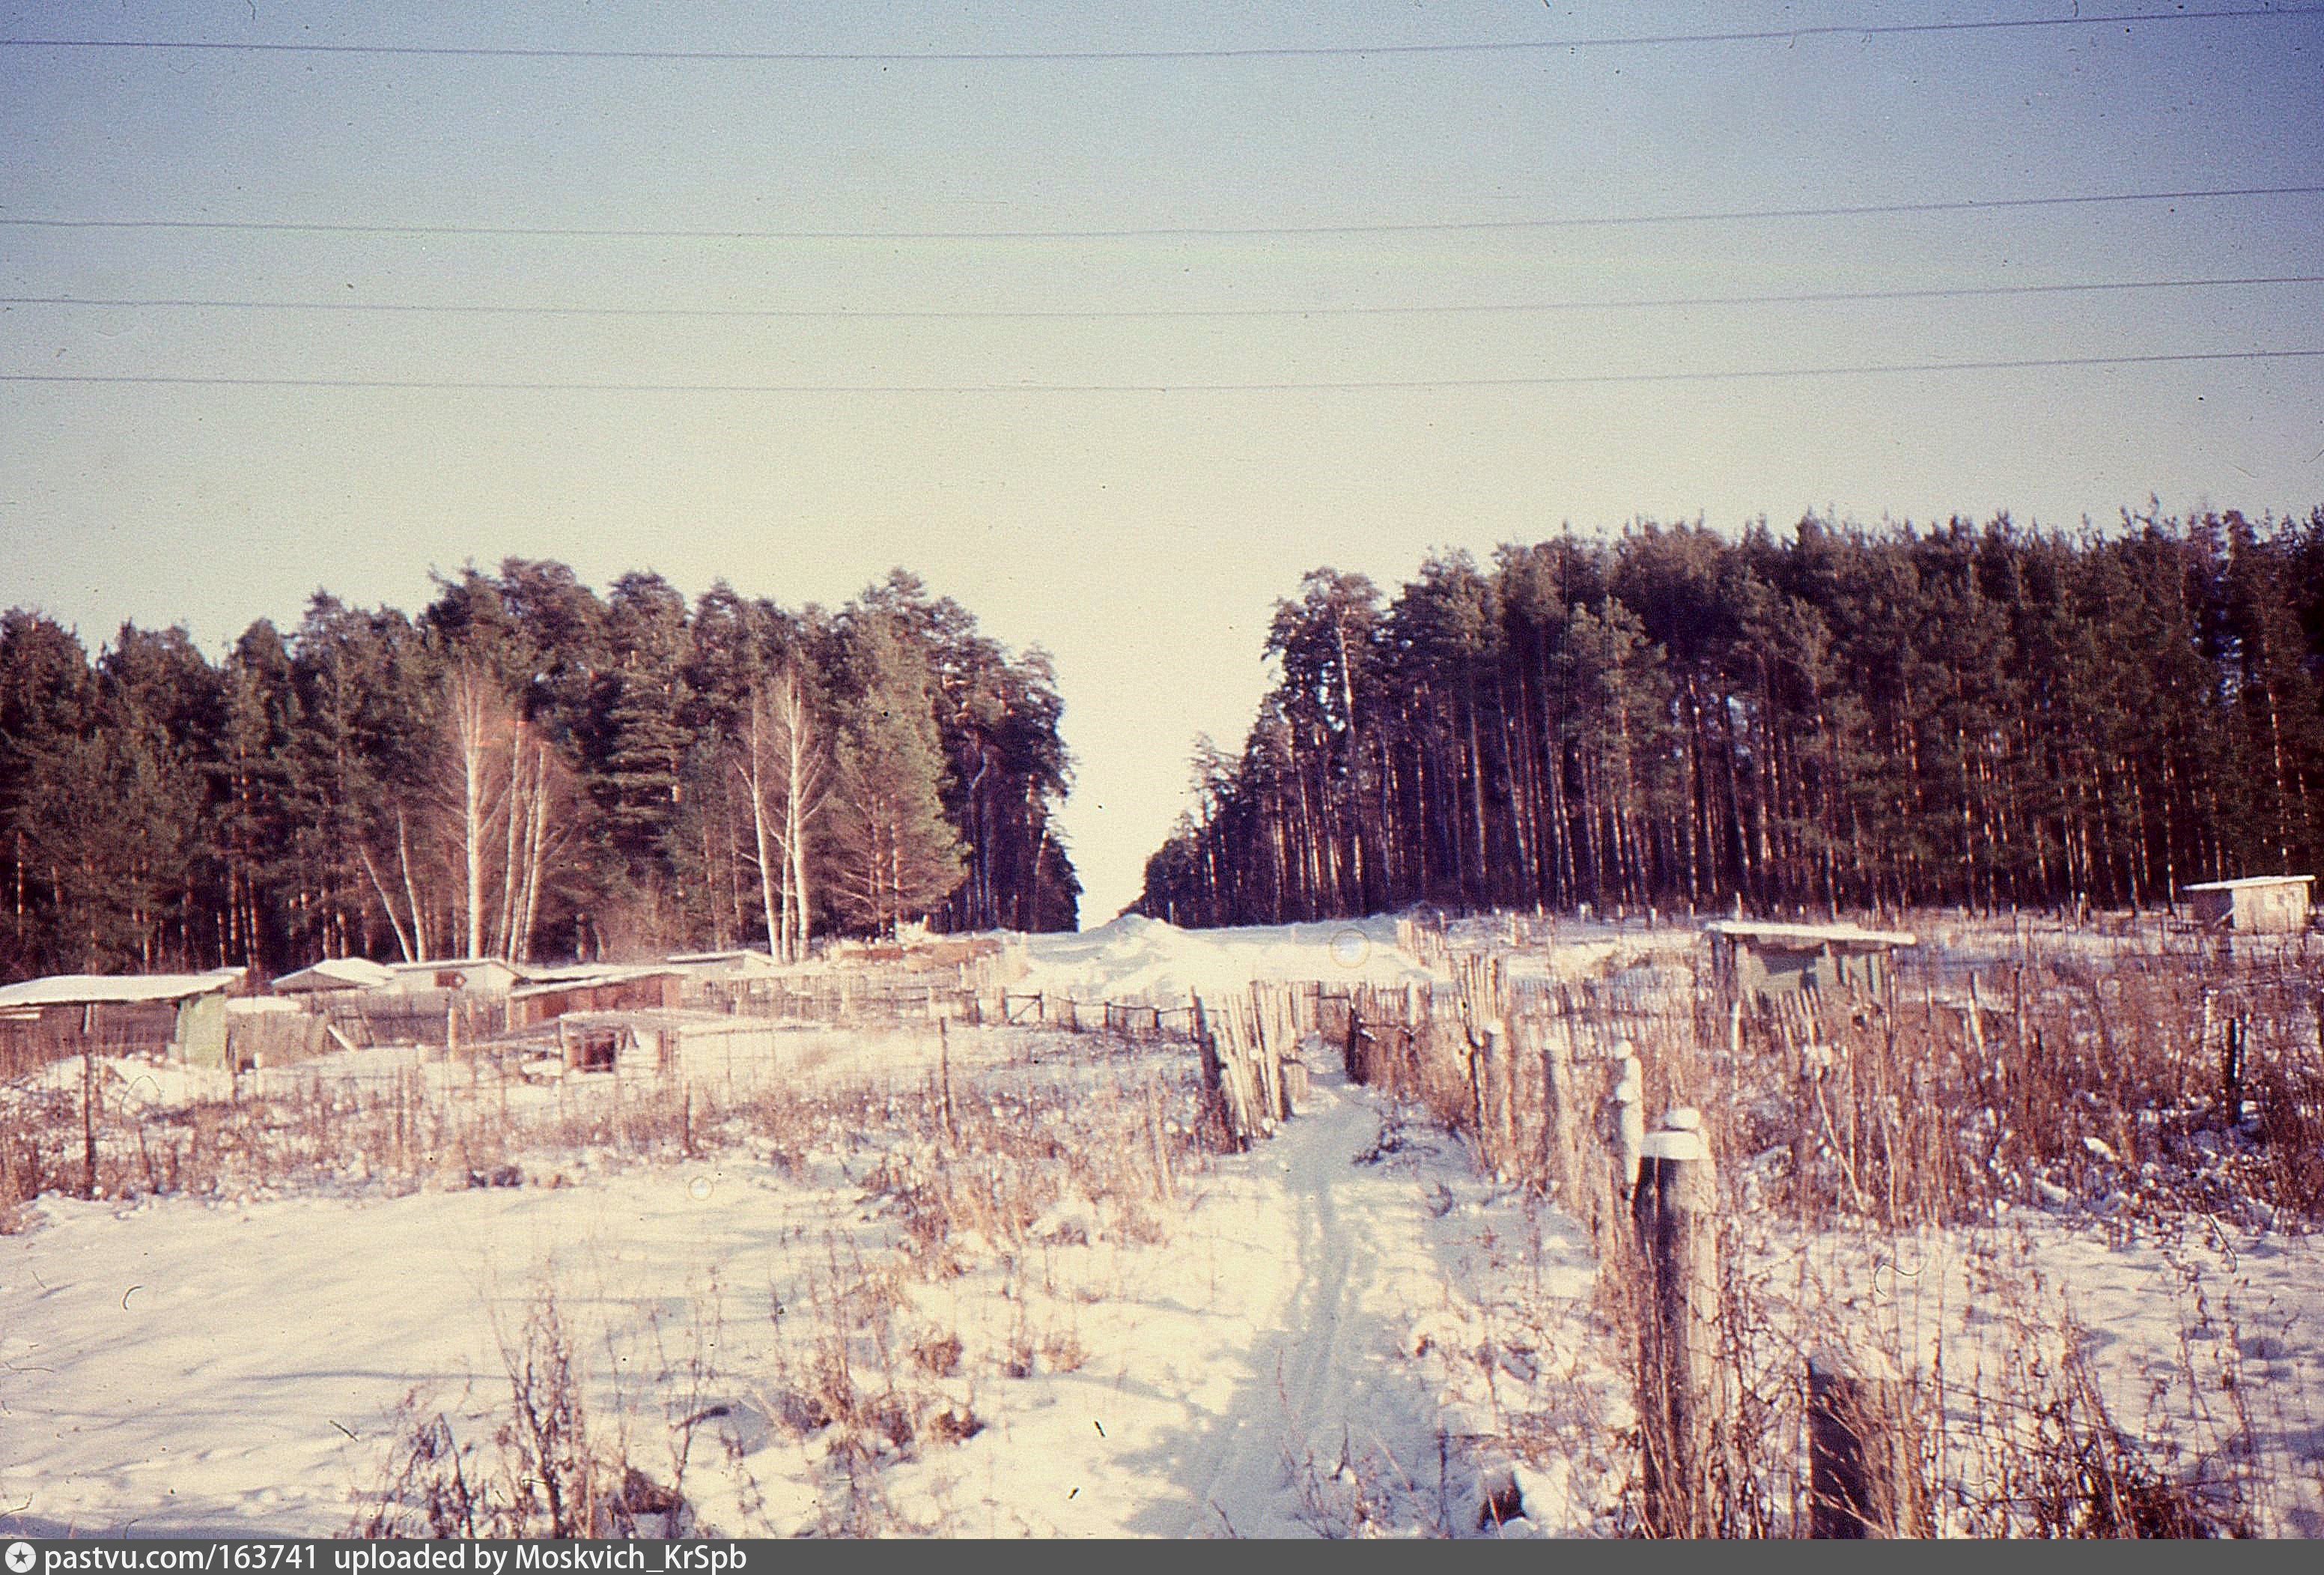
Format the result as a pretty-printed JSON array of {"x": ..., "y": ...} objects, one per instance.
[
  {"x": 2248, "y": 882},
  {"x": 78, "y": 989},
  {"x": 596, "y": 978}
]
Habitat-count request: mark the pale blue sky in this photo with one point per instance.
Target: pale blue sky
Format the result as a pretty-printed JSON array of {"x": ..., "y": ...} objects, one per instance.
[{"x": 1141, "y": 535}]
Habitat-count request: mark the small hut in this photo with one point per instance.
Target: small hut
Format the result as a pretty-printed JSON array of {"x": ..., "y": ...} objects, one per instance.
[
  {"x": 604, "y": 990},
  {"x": 1760, "y": 959},
  {"x": 2259, "y": 905},
  {"x": 475, "y": 975},
  {"x": 182, "y": 1016}
]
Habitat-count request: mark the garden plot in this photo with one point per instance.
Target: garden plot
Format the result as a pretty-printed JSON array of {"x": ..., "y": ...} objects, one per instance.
[
  {"x": 999, "y": 1281},
  {"x": 833, "y": 1308}
]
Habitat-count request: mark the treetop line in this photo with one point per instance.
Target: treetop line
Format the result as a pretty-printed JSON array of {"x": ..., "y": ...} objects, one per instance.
[
  {"x": 525, "y": 768},
  {"x": 1841, "y": 719},
  {"x": 1834, "y": 718}
]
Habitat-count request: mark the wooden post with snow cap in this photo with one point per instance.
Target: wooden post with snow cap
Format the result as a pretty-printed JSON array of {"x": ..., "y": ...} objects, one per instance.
[
  {"x": 1863, "y": 1477},
  {"x": 1675, "y": 1211},
  {"x": 1628, "y": 1115}
]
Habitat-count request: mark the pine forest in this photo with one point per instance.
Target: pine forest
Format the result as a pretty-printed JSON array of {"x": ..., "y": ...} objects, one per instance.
[
  {"x": 525, "y": 770},
  {"x": 1833, "y": 719}
]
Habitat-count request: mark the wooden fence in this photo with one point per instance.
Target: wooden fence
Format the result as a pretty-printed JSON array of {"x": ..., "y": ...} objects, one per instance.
[{"x": 449, "y": 1018}]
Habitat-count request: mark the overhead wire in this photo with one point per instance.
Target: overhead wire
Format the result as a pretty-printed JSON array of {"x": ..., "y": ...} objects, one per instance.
[
  {"x": 1786, "y": 35},
  {"x": 1155, "y": 231},
  {"x": 1614, "y": 303},
  {"x": 1158, "y": 385},
  {"x": 504, "y": 231}
]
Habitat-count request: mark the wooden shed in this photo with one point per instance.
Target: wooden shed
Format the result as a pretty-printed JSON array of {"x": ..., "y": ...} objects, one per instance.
[
  {"x": 483, "y": 976},
  {"x": 2259, "y": 905},
  {"x": 182, "y": 1016},
  {"x": 620, "y": 989},
  {"x": 1765, "y": 959}
]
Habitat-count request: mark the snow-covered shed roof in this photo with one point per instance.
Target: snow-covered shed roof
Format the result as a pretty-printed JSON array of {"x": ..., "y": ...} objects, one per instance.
[
  {"x": 79, "y": 989},
  {"x": 338, "y": 973},
  {"x": 1791, "y": 935},
  {"x": 442, "y": 962},
  {"x": 592, "y": 978},
  {"x": 2249, "y": 883}
]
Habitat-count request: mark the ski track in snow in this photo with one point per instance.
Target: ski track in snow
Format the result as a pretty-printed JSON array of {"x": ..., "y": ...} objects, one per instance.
[
  {"x": 180, "y": 1366},
  {"x": 1326, "y": 1386}
]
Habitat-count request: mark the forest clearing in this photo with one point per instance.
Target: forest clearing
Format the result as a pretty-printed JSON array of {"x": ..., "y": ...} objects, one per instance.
[
  {"x": 957, "y": 1278},
  {"x": 1169, "y": 771}
]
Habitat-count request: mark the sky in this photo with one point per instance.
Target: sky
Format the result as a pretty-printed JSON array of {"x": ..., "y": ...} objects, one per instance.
[{"x": 1114, "y": 336}]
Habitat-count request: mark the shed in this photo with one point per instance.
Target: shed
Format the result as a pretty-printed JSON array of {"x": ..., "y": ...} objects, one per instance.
[
  {"x": 604, "y": 989},
  {"x": 336, "y": 973},
  {"x": 182, "y": 1016},
  {"x": 704, "y": 1048},
  {"x": 1753, "y": 957},
  {"x": 2259, "y": 904},
  {"x": 483, "y": 975}
]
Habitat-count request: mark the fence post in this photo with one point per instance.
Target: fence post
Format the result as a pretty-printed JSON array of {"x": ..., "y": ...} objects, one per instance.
[
  {"x": 1557, "y": 1104},
  {"x": 1161, "y": 1145},
  {"x": 944, "y": 1072},
  {"x": 1808, "y": 1061},
  {"x": 1629, "y": 1125},
  {"x": 1214, "y": 1080},
  {"x": 1675, "y": 1211},
  {"x": 88, "y": 1110},
  {"x": 1863, "y": 1478},
  {"x": 1502, "y": 1058}
]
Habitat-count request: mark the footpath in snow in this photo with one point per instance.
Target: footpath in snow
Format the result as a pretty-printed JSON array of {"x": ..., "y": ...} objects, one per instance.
[{"x": 1275, "y": 1359}]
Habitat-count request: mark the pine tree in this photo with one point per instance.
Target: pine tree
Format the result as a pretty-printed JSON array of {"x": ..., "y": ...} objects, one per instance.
[
  {"x": 895, "y": 856},
  {"x": 46, "y": 693}
]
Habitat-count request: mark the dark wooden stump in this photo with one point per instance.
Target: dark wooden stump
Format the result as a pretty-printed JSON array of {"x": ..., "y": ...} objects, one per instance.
[{"x": 1863, "y": 1473}]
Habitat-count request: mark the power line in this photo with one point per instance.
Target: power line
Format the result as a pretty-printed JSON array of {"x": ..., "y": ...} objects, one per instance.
[
  {"x": 1802, "y": 298},
  {"x": 1256, "y": 52},
  {"x": 458, "y": 386},
  {"x": 1210, "y": 232}
]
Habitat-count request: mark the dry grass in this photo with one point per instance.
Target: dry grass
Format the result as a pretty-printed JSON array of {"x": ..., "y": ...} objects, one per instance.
[
  {"x": 2152, "y": 1093},
  {"x": 544, "y": 1471},
  {"x": 2187, "y": 1080}
]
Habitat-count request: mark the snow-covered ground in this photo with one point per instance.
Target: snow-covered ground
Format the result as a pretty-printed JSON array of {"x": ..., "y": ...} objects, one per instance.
[
  {"x": 176, "y": 1366},
  {"x": 813, "y": 1309},
  {"x": 1140, "y": 959}
]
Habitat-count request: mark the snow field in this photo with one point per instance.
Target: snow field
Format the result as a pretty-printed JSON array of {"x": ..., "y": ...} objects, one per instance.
[
  {"x": 797, "y": 1299},
  {"x": 1232, "y": 1358}
]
